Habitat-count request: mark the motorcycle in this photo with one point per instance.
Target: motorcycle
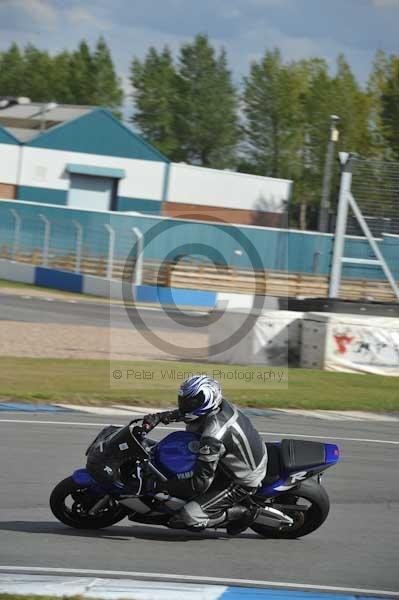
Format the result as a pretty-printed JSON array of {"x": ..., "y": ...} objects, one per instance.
[{"x": 290, "y": 503}]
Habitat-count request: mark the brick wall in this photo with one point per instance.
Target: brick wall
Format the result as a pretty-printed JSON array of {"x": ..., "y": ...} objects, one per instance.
[
  {"x": 8, "y": 191},
  {"x": 219, "y": 213}
]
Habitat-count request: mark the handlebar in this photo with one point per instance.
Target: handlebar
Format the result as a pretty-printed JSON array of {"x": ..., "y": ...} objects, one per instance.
[{"x": 165, "y": 417}]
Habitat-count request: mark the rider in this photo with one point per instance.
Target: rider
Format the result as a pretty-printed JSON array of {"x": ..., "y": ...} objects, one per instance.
[{"x": 228, "y": 440}]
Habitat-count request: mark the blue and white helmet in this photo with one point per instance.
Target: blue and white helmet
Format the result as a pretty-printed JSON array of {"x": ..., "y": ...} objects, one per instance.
[{"x": 198, "y": 396}]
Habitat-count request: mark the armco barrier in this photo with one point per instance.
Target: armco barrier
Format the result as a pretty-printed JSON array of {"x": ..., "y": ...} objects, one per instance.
[
  {"x": 15, "y": 271},
  {"x": 97, "y": 286},
  {"x": 175, "y": 296},
  {"x": 61, "y": 280}
]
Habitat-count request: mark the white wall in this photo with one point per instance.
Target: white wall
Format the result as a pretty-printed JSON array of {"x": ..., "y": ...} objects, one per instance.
[
  {"x": 46, "y": 168},
  {"x": 9, "y": 154},
  {"x": 209, "y": 187},
  {"x": 15, "y": 271}
]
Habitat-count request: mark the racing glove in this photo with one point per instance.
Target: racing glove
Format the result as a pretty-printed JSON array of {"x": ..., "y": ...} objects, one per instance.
[{"x": 152, "y": 420}]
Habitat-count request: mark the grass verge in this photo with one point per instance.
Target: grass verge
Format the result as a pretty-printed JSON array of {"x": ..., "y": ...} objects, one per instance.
[{"x": 155, "y": 383}]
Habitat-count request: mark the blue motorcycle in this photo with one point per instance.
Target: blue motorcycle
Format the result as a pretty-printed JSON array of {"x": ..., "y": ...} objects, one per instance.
[{"x": 290, "y": 503}]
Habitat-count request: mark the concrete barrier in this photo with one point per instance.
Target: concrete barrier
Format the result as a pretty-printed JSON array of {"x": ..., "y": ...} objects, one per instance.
[{"x": 16, "y": 271}]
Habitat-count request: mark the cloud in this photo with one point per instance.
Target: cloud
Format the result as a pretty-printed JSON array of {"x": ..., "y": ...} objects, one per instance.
[
  {"x": 82, "y": 17},
  {"x": 29, "y": 14}
]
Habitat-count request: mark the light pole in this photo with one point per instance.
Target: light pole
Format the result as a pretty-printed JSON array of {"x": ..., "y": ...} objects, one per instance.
[{"x": 325, "y": 198}]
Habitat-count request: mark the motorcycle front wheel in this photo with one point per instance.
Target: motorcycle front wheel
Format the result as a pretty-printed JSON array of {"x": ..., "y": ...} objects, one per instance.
[
  {"x": 70, "y": 503},
  {"x": 308, "y": 505}
]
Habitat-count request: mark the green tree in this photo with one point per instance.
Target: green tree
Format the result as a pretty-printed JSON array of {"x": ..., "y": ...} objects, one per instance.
[
  {"x": 12, "y": 72},
  {"x": 82, "y": 80},
  {"x": 38, "y": 73},
  {"x": 316, "y": 100},
  {"x": 206, "y": 108},
  {"x": 154, "y": 83},
  {"x": 390, "y": 107},
  {"x": 61, "y": 79},
  {"x": 352, "y": 105},
  {"x": 376, "y": 86},
  {"x": 107, "y": 90},
  {"x": 273, "y": 111}
]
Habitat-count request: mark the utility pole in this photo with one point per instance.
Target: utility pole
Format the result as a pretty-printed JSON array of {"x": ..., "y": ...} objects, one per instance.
[{"x": 325, "y": 199}]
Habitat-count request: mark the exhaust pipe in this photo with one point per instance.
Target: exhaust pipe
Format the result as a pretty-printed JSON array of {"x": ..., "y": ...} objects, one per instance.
[{"x": 273, "y": 518}]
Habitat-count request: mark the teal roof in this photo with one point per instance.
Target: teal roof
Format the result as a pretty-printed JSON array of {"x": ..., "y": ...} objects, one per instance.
[
  {"x": 97, "y": 171},
  {"x": 97, "y": 132},
  {"x": 7, "y": 138}
]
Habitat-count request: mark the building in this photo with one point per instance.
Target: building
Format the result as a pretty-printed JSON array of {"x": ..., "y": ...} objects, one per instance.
[{"x": 83, "y": 157}]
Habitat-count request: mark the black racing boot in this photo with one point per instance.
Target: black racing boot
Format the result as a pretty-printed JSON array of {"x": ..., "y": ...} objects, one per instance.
[{"x": 242, "y": 523}]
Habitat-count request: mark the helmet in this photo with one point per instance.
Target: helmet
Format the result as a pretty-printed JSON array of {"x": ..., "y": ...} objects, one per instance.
[{"x": 198, "y": 396}]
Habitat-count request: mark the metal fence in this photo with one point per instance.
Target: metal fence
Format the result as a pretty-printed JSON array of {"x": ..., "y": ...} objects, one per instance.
[
  {"x": 375, "y": 185},
  {"x": 368, "y": 204},
  {"x": 67, "y": 244}
]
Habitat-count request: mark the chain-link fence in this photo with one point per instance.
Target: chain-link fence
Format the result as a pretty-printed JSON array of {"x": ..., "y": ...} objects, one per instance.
[
  {"x": 375, "y": 185},
  {"x": 369, "y": 207}
]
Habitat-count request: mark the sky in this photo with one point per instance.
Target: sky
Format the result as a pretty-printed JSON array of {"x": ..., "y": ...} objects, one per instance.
[{"x": 300, "y": 28}]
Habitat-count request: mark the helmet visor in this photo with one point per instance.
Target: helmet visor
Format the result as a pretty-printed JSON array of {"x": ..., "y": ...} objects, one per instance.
[{"x": 190, "y": 404}]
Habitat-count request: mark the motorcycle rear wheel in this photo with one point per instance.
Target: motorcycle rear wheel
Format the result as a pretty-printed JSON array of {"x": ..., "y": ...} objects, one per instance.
[
  {"x": 76, "y": 515},
  {"x": 305, "y": 522}
]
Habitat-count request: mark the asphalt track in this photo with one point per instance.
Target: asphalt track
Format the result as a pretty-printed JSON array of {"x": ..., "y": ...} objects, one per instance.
[
  {"x": 30, "y": 309},
  {"x": 357, "y": 547}
]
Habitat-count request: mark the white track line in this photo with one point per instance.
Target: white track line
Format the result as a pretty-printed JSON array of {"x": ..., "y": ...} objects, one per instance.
[
  {"x": 325, "y": 415},
  {"x": 268, "y": 433},
  {"x": 101, "y": 411},
  {"x": 340, "y": 415},
  {"x": 197, "y": 579}
]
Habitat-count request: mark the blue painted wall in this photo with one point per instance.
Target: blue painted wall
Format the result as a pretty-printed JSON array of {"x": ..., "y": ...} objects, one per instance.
[
  {"x": 139, "y": 205},
  {"x": 42, "y": 195},
  {"x": 166, "y": 238},
  {"x": 60, "y": 198}
]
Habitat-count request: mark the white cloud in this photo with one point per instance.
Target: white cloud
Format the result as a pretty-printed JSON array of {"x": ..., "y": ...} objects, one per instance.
[
  {"x": 81, "y": 17},
  {"x": 39, "y": 11}
]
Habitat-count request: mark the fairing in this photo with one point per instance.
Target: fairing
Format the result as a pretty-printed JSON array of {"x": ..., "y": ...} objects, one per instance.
[
  {"x": 291, "y": 478},
  {"x": 83, "y": 477},
  {"x": 177, "y": 453}
]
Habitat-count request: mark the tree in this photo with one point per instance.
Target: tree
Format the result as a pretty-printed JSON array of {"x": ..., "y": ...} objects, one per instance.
[
  {"x": 154, "y": 83},
  {"x": 376, "y": 86},
  {"x": 38, "y": 73},
  {"x": 316, "y": 99},
  {"x": 82, "y": 80},
  {"x": 107, "y": 90},
  {"x": 61, "y": 80},
  {"x": 12, "y": 72},
  {"x": 390, "y": 107},
  {"x": 206, "y": 117},
  {"x": 352, "y": 105},
  {"x": 273, "y": 113}
]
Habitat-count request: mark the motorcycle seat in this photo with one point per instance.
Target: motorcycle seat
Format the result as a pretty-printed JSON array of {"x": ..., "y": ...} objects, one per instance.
[
  {"x": 273, "y": 464},
  {"x": 298, "y": 454}
]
